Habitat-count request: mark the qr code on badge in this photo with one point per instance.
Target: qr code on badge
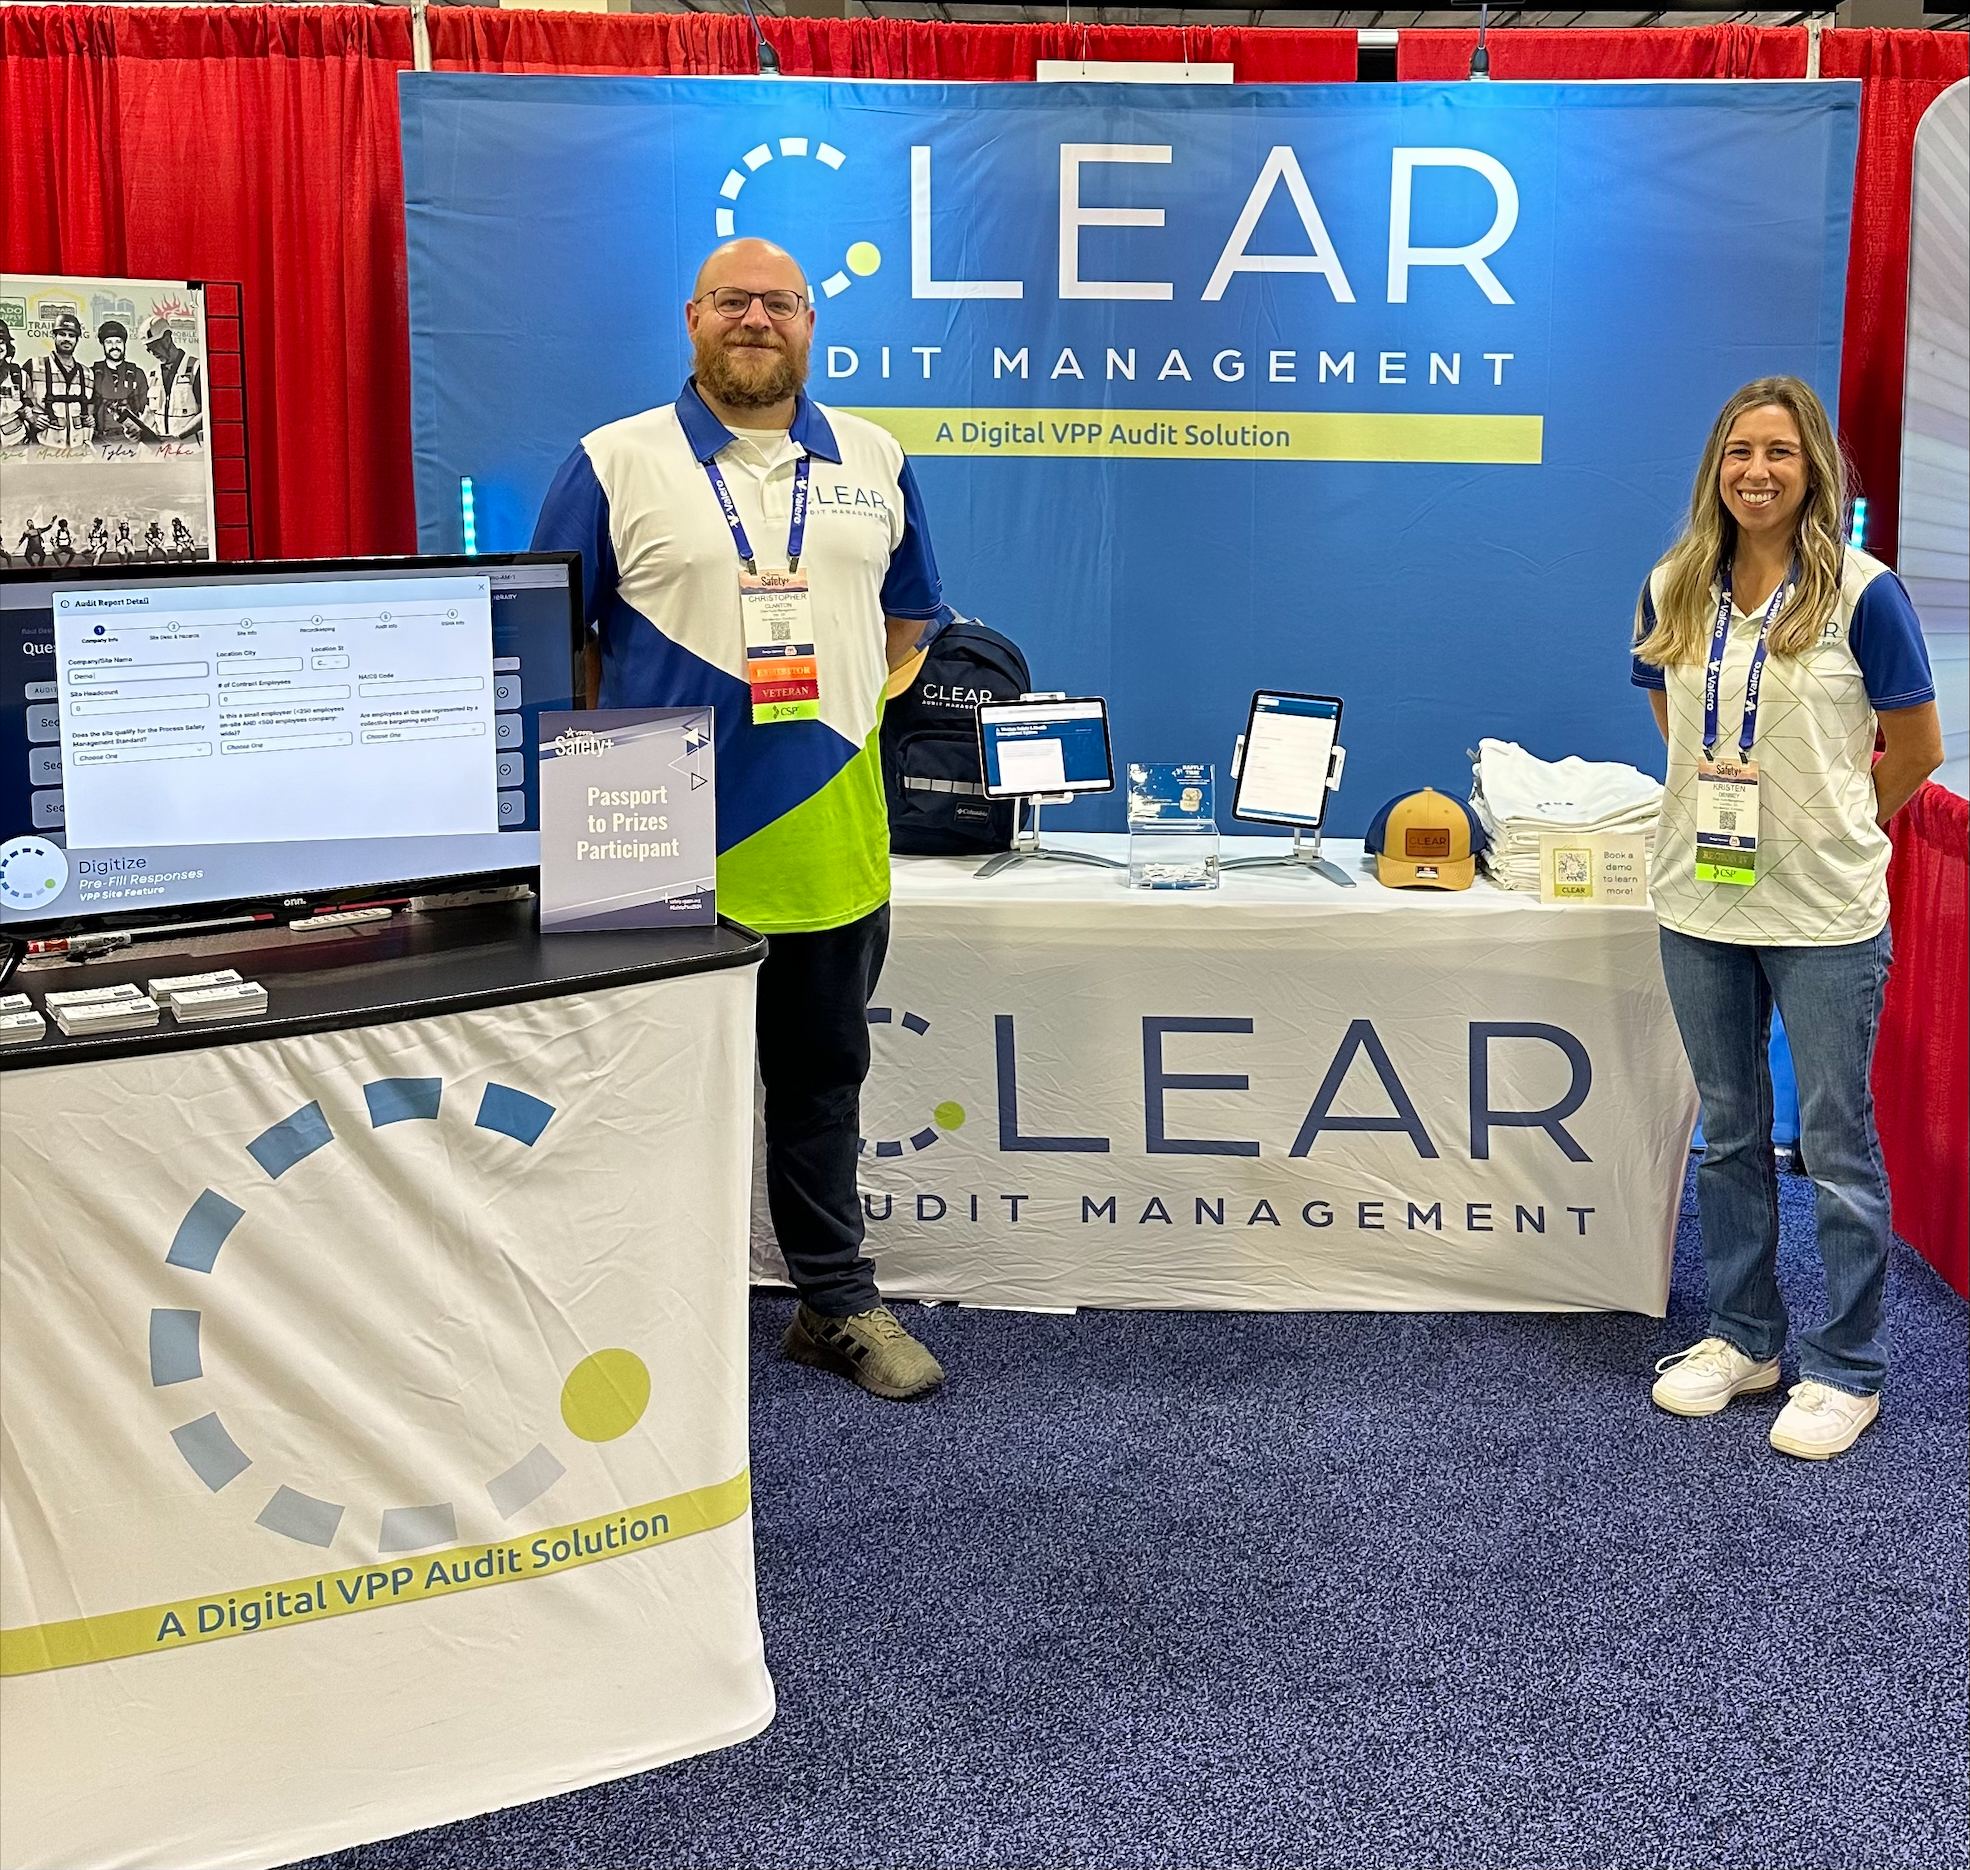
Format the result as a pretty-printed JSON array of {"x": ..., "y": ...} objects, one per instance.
[
  {"x": 1727, "y": 821},
  {"x": 1572, "y": 869}
]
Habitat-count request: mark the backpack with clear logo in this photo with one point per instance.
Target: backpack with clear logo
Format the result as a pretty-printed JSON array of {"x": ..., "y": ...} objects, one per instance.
[{"x": 930, "y": 770}]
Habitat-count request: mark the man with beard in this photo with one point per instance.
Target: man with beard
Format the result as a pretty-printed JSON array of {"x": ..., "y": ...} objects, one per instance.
[
  {"x": 684, "y": 517},
  {"x": 118, "y": 389},
  {"x": 57, "y": 407}
]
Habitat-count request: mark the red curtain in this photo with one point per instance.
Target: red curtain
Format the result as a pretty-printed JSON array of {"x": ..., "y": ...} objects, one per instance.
[
  {"x": 1645, "y": 52},
  {"x": 483, "y": 39},
  {"x": 1922, "y": 1066},
  {"x": 1901, "y": 74},
  {"x": 252, "y": 144}
]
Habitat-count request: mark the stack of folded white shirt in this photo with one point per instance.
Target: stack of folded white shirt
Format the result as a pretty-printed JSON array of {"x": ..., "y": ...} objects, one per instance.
[{"x": 1516, "y": 797}]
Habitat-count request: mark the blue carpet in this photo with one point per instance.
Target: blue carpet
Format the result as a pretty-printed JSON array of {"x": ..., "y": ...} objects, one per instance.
[{"x": 1311, "y": 1590}]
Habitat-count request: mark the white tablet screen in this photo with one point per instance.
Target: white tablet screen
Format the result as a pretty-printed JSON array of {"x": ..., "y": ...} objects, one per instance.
[{"x": 1289, "y": 748}]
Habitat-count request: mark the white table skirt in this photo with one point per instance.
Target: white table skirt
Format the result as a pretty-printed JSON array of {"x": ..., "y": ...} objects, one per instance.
[
  {"x": 305, "y": 1542},
  {"x": 1278, "y": 1094}
]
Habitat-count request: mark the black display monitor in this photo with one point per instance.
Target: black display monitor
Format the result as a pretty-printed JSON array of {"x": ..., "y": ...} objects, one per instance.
[{"x": 179, "y": 742}]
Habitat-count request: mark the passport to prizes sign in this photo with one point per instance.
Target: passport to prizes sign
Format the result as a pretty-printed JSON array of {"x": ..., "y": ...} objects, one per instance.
[
  {"x": 628, "y": 829},
  {"x": 1386, "y": 391}
]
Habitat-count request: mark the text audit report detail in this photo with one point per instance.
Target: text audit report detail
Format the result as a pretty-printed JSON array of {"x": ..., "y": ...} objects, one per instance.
[{"x": 269, "y": 713}]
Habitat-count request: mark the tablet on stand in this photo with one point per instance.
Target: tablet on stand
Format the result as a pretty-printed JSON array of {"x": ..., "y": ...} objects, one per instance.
[
  {"x": 1288, "y": 760},
  {"x": 1043, "y": 750}
]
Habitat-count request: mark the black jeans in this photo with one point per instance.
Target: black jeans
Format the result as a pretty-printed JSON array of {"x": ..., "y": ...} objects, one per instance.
[{"x": 813, "y": 1055}]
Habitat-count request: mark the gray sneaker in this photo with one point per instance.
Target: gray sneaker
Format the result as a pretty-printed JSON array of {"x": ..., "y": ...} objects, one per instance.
[{"x": 871, "y": 1349}]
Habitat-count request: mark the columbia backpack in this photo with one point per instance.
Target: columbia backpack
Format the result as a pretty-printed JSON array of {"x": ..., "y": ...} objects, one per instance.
[{"x": 930, "y": 773}]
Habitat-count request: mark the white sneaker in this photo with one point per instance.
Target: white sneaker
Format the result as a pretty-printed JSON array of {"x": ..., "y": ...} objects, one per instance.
[
  {"x": 1819, "y": 1421},
  {"x": 1702, "y": 1379}
]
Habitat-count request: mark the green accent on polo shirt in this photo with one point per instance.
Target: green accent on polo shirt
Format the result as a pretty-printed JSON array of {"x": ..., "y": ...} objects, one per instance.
[{"x": 820, "y": 866}]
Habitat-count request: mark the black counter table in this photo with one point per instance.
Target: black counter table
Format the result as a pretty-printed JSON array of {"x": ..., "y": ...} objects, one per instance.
[{"x": 370, "y": 973}]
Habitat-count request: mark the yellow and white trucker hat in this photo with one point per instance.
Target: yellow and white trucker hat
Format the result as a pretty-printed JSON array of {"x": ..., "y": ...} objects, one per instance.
[{"x": 1426, "y": 840}]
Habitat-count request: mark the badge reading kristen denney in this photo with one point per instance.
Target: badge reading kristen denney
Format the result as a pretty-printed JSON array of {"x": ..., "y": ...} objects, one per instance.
[{"x": 1727, "y": 822}]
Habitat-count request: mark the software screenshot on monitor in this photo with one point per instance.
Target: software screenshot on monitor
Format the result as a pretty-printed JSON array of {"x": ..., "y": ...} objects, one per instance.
[{"x": 244, "y": 733}]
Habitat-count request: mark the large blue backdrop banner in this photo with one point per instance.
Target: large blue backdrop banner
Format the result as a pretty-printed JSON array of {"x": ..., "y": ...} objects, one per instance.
[{"x": 1391, "y": 392}]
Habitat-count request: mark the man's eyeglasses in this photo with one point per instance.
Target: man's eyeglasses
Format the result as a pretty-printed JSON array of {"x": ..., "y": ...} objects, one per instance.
[{"x": 736, "y": 302}]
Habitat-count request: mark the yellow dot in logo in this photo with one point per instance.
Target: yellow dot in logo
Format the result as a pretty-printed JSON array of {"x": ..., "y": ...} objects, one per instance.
[
  {"x": 605, "y": 1395},
  {"x": 948, "y": 1116},
  {"x": 863, "y": 258}
]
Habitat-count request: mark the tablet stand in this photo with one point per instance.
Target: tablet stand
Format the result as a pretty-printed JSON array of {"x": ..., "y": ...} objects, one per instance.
[
  {"x": 1026, "y": 842},
  {"x": 1303, "y": 856}
]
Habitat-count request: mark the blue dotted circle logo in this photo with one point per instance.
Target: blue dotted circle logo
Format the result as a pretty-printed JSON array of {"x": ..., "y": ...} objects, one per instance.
[
  {"x": 33, "y": 872},
  {"x": 604, "y": 1395}
]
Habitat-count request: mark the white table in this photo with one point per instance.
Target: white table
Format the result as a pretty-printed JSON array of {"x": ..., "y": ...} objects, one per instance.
[
  {"x": 332, "y": 1501},
  {"x": 1278, "y": 1094}
]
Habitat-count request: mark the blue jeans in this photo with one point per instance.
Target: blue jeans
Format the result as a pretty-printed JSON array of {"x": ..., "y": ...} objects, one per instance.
[{"x": 1830, "y": 999}]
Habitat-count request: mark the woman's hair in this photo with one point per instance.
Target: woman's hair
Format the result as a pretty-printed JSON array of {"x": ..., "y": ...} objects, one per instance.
[{"x": 1685, "y": 613}]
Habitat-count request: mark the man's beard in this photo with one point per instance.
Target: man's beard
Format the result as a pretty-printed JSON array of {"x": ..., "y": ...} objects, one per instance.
[{"x": 747, "y": 376}]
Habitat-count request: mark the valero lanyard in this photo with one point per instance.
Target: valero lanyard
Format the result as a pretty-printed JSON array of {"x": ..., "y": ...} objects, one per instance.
[
  {"x": 1714, "y": 669},
  {"x": 797, "y": 526}
]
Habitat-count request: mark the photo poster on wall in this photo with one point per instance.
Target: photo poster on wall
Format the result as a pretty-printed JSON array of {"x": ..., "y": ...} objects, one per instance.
[
  {"x": 1387, "y": 391},
  {"x": 104, "y": 437}
]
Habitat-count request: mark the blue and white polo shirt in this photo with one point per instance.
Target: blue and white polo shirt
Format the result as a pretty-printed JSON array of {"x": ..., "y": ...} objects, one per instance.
[
  {"x": 803, "y": 836},
  {"x": 1822, "y": 860}
]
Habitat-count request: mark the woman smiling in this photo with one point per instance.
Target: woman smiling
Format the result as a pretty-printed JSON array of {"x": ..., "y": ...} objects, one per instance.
[{"x": 1773, "y": 651}]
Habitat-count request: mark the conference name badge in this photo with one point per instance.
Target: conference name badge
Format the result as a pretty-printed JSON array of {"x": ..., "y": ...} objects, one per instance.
[
  {"x": 1727, "y": 821},
  {"x": 782, "y": 669}
]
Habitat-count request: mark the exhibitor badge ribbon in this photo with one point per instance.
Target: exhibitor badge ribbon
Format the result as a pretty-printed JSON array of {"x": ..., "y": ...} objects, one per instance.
[{"x": 782, "y": 669}]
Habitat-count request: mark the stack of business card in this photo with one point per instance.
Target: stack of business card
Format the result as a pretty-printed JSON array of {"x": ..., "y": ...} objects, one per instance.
[
  {"x": 108, "y": 1009},
  {"x": 91, "y": 996},
  {"x": 20, "y": 1025},
  {"x": 167, "y": 990},
  {"x": 227, "y": 1000}
]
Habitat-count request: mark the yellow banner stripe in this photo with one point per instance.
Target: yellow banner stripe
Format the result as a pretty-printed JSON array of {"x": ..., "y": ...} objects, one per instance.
[
  {"x": 1214, "y": 435},
  {"x": 256, "y": 1609}
]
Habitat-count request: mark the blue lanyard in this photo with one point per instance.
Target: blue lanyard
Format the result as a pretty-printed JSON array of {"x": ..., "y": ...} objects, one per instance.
[
  {"x": 1714, "y": 669},
  {"x": 796, "y": 528}
]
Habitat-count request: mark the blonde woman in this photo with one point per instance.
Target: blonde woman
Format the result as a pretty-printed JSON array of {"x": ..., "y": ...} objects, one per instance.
[{"x": 1772, "y": 652}]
